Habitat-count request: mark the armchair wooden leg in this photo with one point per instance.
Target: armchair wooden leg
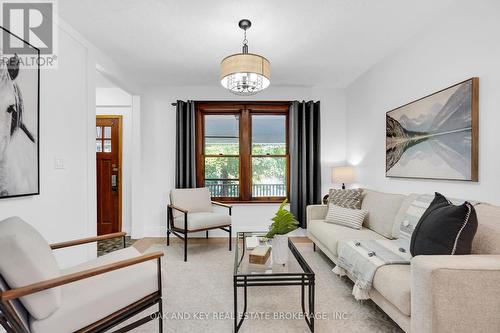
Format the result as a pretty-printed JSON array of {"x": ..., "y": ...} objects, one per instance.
[
  {"x": 185, "y": 246},
  {"x": 168, "y": 237},
  {"x": 314, "y": 247},
  {"x": 230, "y": 237},
  {"x": 206, "y": 234}
]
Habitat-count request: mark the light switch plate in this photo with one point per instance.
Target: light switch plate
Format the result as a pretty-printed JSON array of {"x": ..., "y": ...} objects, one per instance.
[{"x": 58, "y": 163}]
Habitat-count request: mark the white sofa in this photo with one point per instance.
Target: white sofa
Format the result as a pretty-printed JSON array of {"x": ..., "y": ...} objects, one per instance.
[{"x": 434, "y": 293}]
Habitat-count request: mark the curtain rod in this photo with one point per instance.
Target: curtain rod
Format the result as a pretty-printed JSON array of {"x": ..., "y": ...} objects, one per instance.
[{"x": 238, "y": 102}]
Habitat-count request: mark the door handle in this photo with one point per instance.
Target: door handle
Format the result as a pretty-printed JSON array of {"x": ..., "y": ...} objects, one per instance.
[{"x": 114, "y": 183}]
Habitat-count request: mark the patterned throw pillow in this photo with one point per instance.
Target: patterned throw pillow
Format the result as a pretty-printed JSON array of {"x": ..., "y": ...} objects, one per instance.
[
  {"x": 347, "y": 217},
  {"x": 345, "y": 198}
]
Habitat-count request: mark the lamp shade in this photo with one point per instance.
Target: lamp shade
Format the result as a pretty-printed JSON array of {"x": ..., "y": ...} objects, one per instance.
[
  {"x": 344, "y": 174},
  {"x": 245, "y": 73}
]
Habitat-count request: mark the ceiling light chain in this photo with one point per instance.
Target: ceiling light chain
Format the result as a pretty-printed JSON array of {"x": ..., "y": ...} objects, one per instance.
[{"x": 245, "y": 41}]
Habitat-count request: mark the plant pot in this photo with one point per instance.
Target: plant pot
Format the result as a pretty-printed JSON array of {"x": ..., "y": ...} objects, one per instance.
[{"x": 280, "y": 249}]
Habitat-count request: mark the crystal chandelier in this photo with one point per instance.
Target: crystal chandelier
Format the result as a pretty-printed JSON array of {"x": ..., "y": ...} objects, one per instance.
[{"x": 245, "y": 73}]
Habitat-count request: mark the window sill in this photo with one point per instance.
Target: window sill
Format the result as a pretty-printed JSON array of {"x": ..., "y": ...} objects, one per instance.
[{"x": 249, "y": 202}]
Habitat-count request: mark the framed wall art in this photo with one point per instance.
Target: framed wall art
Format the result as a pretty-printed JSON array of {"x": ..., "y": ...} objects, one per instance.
[
  {"x": 435, "y": 137},
  {"x": 19, "y": 120}
]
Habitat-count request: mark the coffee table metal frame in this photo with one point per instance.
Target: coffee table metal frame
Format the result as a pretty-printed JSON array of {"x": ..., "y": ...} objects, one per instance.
[{"x": 304, "y": 280}]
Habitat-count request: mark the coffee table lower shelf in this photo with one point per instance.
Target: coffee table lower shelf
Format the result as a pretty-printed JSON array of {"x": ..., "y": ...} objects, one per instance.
[{"x": 304, "y": 280}]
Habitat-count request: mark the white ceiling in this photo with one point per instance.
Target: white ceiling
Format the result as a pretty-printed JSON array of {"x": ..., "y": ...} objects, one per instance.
[{"x": 328, "y": 42}]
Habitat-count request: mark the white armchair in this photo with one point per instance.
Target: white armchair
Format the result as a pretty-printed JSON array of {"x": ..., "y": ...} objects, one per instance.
[
  {"x": 36, "y": 296},
  {"x": 191, "y": 210}
]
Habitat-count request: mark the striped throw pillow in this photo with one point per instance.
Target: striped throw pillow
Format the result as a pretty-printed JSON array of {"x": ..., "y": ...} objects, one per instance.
[
  {"x": 413, "y": 214},
  {"x": 352, "y": 218}
]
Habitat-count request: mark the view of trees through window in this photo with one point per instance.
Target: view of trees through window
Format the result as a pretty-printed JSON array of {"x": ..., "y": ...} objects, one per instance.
[
  {"x": 267, "y": 155},
  {"x": 222, "y": 152}
]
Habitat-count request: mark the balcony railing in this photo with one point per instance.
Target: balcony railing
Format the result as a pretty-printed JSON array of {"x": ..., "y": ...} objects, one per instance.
[
  {"x": 269, "y": 190},
  {"x": 258, "y": 190},
  {"x": 224, "y": 190}
]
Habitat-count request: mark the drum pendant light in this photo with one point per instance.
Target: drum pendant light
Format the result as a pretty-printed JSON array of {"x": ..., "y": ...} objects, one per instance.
[{"x": 245, "y": 73}]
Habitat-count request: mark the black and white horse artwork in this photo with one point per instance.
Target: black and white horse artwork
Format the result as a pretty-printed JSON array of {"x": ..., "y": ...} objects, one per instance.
[{"x": 18, "y": 143}]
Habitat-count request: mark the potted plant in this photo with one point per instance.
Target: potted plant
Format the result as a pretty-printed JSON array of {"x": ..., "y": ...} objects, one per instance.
[{"x": 283, "y": 223}]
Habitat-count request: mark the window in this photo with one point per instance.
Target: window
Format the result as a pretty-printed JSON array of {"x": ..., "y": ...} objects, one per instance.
[
  {"x": 269, "y": 155},
  {"x": 242, "y": 151},
  {"x": 222, "y": 155},
  {"x": 103, "y": 139}
]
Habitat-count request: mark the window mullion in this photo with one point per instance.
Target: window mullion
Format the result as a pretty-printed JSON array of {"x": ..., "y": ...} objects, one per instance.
[{"x": 245, "y": 151}]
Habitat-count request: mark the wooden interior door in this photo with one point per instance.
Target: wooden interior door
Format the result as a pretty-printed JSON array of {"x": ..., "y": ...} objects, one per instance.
[{"x": 108, "y": 154}]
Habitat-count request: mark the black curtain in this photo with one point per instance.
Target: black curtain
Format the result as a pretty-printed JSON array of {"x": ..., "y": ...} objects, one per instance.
[
  {"x": 305, "y": 157},
  {"x": 185, "y": 163}
]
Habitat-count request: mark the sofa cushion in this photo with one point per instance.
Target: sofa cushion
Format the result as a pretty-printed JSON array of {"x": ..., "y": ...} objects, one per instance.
[
  {"x": 330, "y": 234},
  {"x": 382, "y": 209},
  {"x": 487, "y": 240},
  {"x": 203, "y": 220},
  {"x": 108, "y": 258},
  {"x": 86, "y": 301},
  {"x": 194, "y": 200},
  {"x": 394, "y": 283},
  {"x": 26, "y": 258}
]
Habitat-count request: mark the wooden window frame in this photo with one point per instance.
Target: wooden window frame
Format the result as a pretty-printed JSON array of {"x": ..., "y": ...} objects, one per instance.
[{"x": 245, "y": 110}]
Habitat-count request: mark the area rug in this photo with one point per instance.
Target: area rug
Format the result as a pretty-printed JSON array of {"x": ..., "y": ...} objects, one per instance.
[{"x": 198, "y": 297}]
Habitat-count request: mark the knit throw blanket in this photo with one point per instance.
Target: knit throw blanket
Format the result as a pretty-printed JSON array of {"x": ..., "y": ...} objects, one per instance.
[{"x": 362, "y": 258}]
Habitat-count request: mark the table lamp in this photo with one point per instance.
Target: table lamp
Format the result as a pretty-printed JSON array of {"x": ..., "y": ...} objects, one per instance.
[{"x": 342, "y": 175}]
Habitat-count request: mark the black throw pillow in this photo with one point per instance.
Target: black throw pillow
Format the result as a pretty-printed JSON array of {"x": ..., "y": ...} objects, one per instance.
[{"x": 444, "y": 229}]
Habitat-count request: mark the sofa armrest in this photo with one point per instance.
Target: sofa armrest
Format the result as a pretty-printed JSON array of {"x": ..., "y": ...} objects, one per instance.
[
  {"x": 455, "y": 293},
  {"x": 316, "y": 212}
]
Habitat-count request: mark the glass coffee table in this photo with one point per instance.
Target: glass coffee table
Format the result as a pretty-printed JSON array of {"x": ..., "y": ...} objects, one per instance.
[{"x": 296, "y": 272}]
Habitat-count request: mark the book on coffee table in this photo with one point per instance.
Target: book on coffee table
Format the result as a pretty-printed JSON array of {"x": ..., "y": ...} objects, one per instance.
[{"x": 259, "y": 255}]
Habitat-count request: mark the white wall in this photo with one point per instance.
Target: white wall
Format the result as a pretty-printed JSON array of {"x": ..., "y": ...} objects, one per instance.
[
  {"x": 62, "y": 210},
  {"x": 462, "y": 44},
  {"x": 66, "y": 206},
  {"x": 158, "y": 146},
  {"x": 333, "y": 132},
  {"x": 112, "y": 96}
]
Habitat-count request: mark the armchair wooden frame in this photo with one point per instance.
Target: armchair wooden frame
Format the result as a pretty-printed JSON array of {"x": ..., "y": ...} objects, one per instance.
[
  {"x": 183, "y": 233},
  {"x": 12, "y": 321}
]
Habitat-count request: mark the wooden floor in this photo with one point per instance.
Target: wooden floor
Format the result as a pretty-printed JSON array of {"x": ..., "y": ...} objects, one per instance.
[{"x": 143, "y": 244}]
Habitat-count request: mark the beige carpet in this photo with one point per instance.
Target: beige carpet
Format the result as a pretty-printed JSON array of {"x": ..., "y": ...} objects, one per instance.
[{"x": 203, "y": 287}]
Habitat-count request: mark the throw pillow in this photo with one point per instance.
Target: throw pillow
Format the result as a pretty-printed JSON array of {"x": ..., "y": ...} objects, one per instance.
[
  {"x": 347, "y": 217},
  {"x": 345, "y": 198},
  {"x": 444, "y": 229}
]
